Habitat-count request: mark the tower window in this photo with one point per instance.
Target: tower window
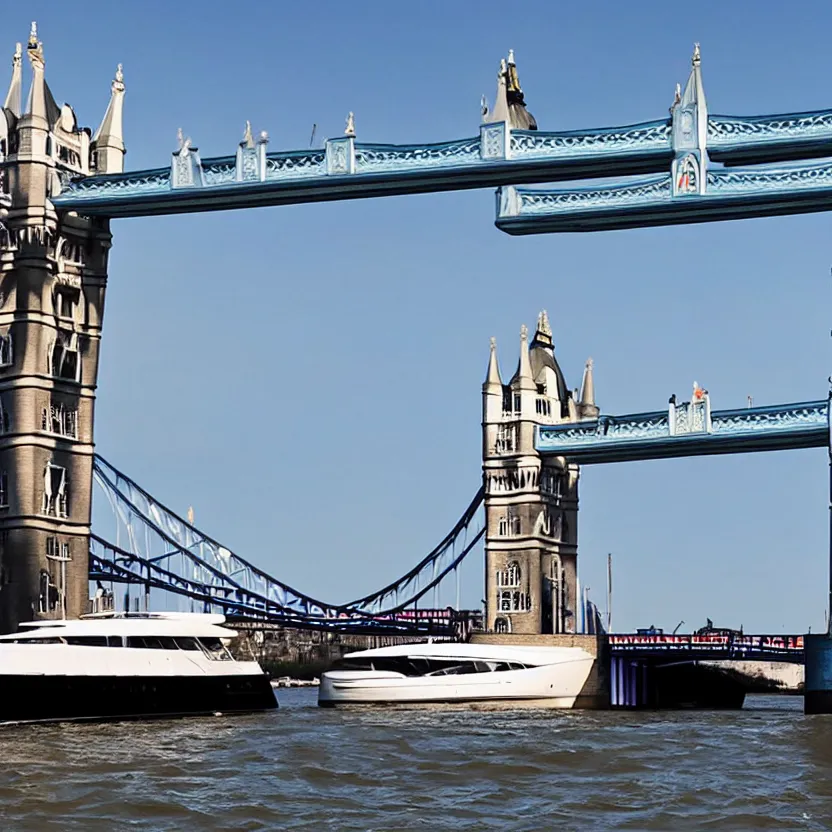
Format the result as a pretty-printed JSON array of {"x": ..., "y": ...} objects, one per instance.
[
  {"x": 59, "y": 420},
  {"x": 66, "y": 301},
  {"x": 64, "y": 360},
  {"x": 506, "y": 439},
  {"x": 509, "y": 525},
  {"x": 510, "y": 576},
  {"x": 55, "y": 492},
  {"x": 57, "y": 549},
  {"x": 508, "y": 601},
  {"x": 4, "y": 489},
  {"x": 6, "y": 354}
]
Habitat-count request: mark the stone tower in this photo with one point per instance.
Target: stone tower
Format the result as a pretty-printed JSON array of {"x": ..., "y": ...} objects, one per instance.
[
  {"x": 531, "y": 505},
  {"x": 53, "y": 274}
]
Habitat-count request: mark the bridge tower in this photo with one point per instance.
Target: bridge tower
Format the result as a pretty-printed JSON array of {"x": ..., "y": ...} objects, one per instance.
[
  {"x": 53, "y": 274},
  {"x": 531, "y": 505}
]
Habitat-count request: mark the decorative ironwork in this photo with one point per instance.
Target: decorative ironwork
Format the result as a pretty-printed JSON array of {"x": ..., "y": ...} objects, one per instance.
[
  {"x": 120, "y": 185},
  {"x": 380, "y": 158},
  {"x": 730, "y": 131},
  {"x": 652, "y": 135},
  {"x": 786, "y": 180},
  {"x": 295, "y": 165},
  {"x": 530, "y": 202}
]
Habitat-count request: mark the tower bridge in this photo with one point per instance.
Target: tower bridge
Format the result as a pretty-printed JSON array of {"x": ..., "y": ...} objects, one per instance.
[{"x": 61, "y": 184}]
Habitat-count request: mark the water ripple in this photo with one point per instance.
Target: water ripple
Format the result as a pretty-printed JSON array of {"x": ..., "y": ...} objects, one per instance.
[{"x": 767, "y": 767}]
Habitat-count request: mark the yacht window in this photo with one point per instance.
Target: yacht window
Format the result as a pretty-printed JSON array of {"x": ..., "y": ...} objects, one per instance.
[
  {"x": 151, "y": 642},
  {"x": 39, "y": 641},
  {"x": 353, "y": 664},
  {"x": 87, "y": 641},
  {"x": 186, "y": 643},
  {"x": 115, "y": 641},
  {"x": 215, "y": 650}
]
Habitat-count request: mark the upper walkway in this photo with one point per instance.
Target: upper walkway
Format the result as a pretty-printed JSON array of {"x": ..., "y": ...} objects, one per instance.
[
  {"x": 688, "y": 429},
  {"x": 347, "y": 169}
]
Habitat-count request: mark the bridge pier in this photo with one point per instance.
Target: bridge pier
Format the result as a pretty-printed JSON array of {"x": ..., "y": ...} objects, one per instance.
[{"x": 817, "y": 696}]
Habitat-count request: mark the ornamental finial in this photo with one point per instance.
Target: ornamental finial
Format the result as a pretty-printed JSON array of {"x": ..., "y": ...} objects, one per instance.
[
  {"x": 248, "y": 139},
  {"x": 118, "y": 81},
  {"x": 35, "y": 47},
  {"x": 18, "y": 53},
  {"x": 695, "y": 60},
  {"x": 184, "y": 144},
  {"x": 350, "y": 130},
  {"x": 511, "y": 56},
  {"x": 543, "y": 323},
  {"x": 589, "y": 364},
  {"x": 493, "y": 343},
  {"x": 524, "y": 333}
]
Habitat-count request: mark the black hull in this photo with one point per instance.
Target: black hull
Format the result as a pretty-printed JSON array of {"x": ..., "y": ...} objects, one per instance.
[{"x": 31, "y": 698}]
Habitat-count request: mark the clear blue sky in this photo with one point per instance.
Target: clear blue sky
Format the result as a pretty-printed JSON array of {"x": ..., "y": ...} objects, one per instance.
[{"x": 308, "y": 378}]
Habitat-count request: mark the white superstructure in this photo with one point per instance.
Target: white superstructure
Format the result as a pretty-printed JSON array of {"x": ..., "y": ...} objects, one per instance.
[{"x": 126, "y": 665}]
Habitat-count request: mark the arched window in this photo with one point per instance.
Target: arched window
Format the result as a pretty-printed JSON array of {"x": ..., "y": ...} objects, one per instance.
[{"x": 502, "y": 625}]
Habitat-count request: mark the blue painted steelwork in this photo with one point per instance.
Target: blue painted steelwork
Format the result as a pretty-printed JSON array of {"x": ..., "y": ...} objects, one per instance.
[
  {"x": 686, "y": 431},
  {"x": 346, "y": 169},
  {"x": 158, "y": 549},
  {"x": 730, "y": 194},
  {"x": 735, "y": 140},
  {"x": 783, "y": 648}
]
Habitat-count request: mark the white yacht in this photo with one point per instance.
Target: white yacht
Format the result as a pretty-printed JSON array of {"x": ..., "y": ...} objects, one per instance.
[
  {"x": 549, "y": 677},
  {"x": 120, "y": 666}
]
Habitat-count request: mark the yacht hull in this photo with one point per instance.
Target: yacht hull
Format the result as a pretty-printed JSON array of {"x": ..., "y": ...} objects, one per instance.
[
  {"x": 549, "y": 686},
  {"x": 44, "y": 697}
]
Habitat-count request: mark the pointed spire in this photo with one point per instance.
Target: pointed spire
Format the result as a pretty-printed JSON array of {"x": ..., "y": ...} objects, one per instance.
[
  {"x": 525, "y": 381},
  {"x": 108, "y": 141},
  {"x": 586, "y": 403},
  {"x": 350, "y": 128},
  {"x": 36, "y": 103},
  {"x": 493, "y": 378},
  {"x": 694, "y": 90},
  {"x": 509, "y": 103},
  {"x": 14, "y": 98},
  {"x": 41, "y": 103},
  {"x": 588, "y": 386}
]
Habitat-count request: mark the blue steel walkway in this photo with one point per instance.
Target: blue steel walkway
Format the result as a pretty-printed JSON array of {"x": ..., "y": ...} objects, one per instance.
[{"x": 688, "y": 429}]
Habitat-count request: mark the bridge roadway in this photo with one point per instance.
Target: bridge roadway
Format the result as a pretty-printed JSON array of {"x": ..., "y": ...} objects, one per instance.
[
  {"x": 769, "y": 648},
  {"x": 688, "y": 430}
]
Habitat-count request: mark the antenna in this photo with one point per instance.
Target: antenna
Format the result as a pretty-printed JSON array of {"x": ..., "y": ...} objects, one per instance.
[
  {"x": 609, "y": 591},
  {"x": 312, "y": 137}
]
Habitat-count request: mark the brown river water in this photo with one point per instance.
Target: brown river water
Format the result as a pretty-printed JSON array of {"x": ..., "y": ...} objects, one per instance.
[{"x": 300, "y": 767}]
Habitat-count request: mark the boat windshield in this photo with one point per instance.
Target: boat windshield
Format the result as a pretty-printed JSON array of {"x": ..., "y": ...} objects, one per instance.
[
  {"x": 216, "y": 650},
  {"x": 417, "y": 666}
]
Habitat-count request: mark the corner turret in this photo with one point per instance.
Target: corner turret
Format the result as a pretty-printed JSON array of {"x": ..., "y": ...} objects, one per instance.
[{"x": 108, "y": 143}]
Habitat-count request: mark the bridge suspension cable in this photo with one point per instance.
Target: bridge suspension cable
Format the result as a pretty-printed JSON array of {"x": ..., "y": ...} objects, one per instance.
[{"x": 157, "y": 548}]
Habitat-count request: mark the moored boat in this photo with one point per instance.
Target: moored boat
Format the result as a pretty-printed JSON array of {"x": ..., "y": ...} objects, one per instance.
[
  {"x": 126, "y": 666},
  {"x": 436, "y": 673}
]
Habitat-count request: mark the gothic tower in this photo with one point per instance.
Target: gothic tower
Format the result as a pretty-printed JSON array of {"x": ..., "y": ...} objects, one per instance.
[
  {"x": 531, "y": 504},
  {"x": 53, "y": 274}
]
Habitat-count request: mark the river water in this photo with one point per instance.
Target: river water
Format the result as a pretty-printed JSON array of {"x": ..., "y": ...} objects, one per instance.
[{"x": 300, "y": 767}]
